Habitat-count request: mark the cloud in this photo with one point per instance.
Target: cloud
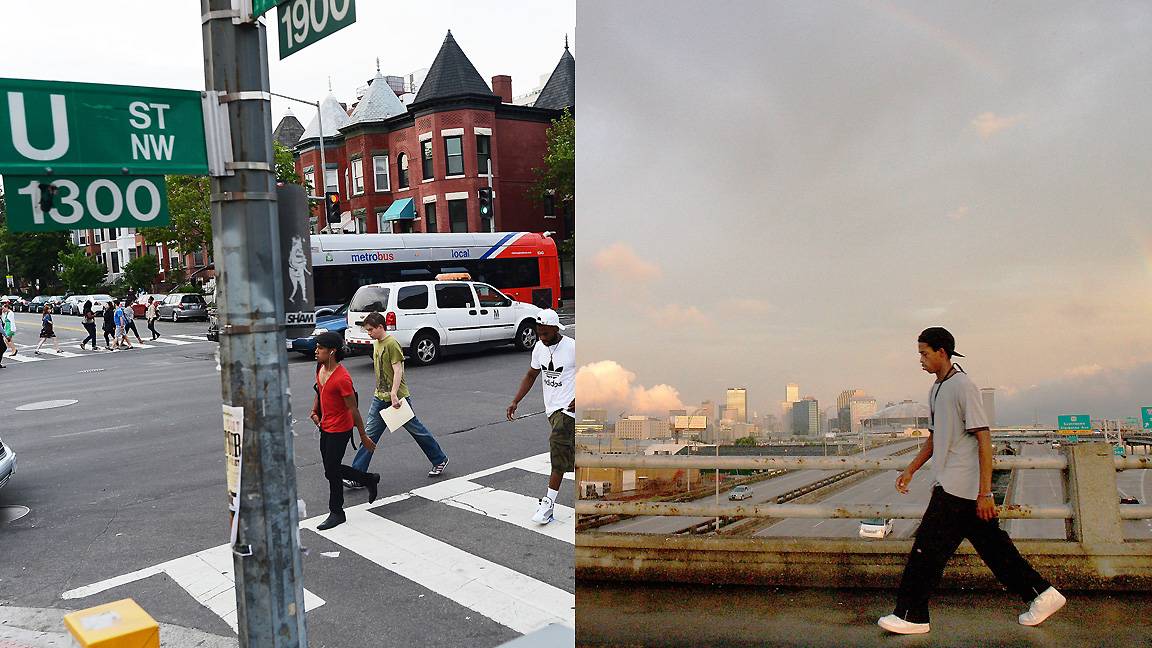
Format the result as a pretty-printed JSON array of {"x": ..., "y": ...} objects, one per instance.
[
  {"x": 608, "y": 385},
  {"x": 988, "y": 124},
  {"x": 621, "y": 261},
  {"x": 1103, "y": 392},
  {"x": 958, "y": 214},
  {"x": 749, "y": 306},
  {"x": 680, "y": 316},
  {"x": 1086, "y": 371}
]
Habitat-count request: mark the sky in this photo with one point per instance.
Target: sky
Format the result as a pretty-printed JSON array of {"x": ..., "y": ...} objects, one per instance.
[
  {"x": 158, "y": 43},
  {"x": 776, "y": 192}
]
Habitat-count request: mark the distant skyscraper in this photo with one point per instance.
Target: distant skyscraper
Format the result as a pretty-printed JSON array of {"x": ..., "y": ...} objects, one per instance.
[
  {"x": 860, "y": 408},
  {"x": 843, "y": 408},
  {"x": 600, "y": 415},
  {"x": 988, "y": 395},
  {"x": 806, "y": 417},
  {"x": 792, "y": 393},
  {"x": 737, "y": 399}
]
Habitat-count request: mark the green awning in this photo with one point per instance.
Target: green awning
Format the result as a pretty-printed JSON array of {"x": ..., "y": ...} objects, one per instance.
[{"x": 403, "y": 209}]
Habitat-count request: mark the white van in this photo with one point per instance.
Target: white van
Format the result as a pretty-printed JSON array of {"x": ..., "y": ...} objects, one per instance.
[{"x": 428, "y": 317}]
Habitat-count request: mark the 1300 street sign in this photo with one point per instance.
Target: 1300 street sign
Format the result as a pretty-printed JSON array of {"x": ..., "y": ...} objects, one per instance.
[
  {"x": 85, "y": 202},
  {"x": 91, "y": 129}
]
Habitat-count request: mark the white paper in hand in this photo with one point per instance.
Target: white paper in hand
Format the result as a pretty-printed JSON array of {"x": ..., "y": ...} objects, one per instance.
[{"x": 396, "y": 417}]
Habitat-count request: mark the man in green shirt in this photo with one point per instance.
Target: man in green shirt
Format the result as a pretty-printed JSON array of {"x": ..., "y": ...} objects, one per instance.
[{"x": 391, "y": 390}]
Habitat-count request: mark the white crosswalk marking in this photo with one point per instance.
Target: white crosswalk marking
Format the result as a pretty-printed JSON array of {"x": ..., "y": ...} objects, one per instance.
[
  {"x": 205, "y": 575},
  {"x": 23, "y": 357},
  {"x": 499, "y": 593},
  {"x": 198, "y": 338},
  {"x": 171, "y": 341}
]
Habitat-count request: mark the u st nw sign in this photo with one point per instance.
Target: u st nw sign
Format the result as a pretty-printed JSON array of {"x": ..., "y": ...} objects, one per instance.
[{"x": 64, "y": 129}]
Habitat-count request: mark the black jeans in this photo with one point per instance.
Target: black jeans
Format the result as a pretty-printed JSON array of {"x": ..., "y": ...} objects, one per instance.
[
  {"x": 91, "y": 328},
  {"x": 332, "y": 446},
  {"x": 130, "y": 325},
  {"x": 947, "y": 521},
  {"x": 108, "y": 337},
  {"x": 152, "y": 327}
]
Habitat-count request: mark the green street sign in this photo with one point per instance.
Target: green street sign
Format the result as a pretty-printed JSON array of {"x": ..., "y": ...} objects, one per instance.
[
  {"x": 1146, "y": 414},
  {"x": 86, "y": 202},
  {"x": 261, "y": 7},
  {"x": 1075, "y": 422},
  {"x": 303, "y": 22},
  {"x": 67, "y": 129}
]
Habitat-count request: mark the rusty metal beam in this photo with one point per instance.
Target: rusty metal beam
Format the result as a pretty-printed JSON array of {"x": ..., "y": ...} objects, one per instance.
[{"x": 850, "y": 511}]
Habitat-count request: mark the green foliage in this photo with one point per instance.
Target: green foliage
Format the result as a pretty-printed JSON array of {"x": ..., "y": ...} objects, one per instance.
[
  {"x": 285, "y": 165},
  {"x": 140, "y": 273},
  {"x": 79, "y": 272},
  {"x": 189, "y": 288},
  {"x": 177, "y": 275},
  {"x": 745, "y": 441},
  {"x": 558, "y": 175}
]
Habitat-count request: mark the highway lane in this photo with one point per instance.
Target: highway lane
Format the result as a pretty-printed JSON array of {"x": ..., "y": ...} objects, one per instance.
[
  {"x": 1138, "y": 484},
  {"x": 1038, "y": 488}
]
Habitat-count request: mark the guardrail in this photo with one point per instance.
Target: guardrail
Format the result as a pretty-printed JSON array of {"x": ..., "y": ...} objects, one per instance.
[{"x": 1095, "y": 554}]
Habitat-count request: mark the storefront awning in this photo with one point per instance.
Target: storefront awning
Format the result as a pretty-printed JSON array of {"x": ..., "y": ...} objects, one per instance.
[{"x": 403, "y": 209}]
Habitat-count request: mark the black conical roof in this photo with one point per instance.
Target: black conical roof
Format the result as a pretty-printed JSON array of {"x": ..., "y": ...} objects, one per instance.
[
  {"x": 451, "y": 75},
  {"x": 560, "y": 91}
]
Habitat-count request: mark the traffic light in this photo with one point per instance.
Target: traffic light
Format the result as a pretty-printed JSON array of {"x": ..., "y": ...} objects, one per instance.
[
  {"x": 332, "y": 206},
  {"x": 485, "y": 194}
]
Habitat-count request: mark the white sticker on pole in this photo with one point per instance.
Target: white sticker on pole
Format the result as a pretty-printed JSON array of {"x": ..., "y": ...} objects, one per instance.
[{"x": 233, "y": 459}]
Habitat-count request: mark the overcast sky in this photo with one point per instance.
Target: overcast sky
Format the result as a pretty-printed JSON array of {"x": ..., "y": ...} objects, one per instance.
[
  {"x": 777, "y": 192},
  {"x": 158, "y": 43}
]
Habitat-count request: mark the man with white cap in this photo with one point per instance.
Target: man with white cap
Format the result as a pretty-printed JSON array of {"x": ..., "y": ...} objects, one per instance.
[{"x": 555, "y": 356}]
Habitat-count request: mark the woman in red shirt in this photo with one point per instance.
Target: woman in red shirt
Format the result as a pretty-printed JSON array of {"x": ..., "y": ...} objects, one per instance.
[{"x": 335, "y": 412}]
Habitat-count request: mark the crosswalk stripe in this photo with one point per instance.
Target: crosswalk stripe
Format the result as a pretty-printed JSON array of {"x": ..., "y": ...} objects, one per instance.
[
  {"x": 502, "y": 505},
  {"x": 170, "y": 341},
  {"x": 23, "y": 357},
  {"x": 206, "y": 576},
  {"x": 198, "y": 338},
  {"x": 508, "y": 597}
]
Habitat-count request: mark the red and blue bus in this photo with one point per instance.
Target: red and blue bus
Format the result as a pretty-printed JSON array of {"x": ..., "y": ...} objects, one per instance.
[{"x": 523, "y": 265}]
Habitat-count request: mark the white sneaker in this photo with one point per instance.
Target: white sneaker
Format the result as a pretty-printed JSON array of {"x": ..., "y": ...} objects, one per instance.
[
  {"x": 893, "y": 623},
  {"x": 544, "y": 513},
  {"x": 1042, "y": 607},
  {"x": 348, "y": 483}
]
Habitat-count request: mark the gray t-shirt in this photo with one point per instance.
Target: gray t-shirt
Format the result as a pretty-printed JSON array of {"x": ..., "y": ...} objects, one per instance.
[{"x": 956, "y": 409}]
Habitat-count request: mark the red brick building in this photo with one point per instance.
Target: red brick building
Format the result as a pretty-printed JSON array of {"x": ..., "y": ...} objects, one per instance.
[{"x": 418, "y": 167}]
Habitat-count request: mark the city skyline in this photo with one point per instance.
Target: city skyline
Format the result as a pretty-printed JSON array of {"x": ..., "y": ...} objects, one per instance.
[{"x": 833, "y": 200}]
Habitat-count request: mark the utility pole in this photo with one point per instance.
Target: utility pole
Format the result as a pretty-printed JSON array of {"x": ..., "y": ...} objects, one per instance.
[{"x": 253, "y": 363}]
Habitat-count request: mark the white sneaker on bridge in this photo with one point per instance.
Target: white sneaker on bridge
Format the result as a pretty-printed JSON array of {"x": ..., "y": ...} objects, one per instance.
[
  {"x": 543, "y": 514},
  {"x": 893, "y": 623},
  {"x": 1042, "y": 607}
]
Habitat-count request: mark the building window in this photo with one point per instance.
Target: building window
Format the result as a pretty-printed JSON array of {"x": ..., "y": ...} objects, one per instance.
[
  {"x": 380, "y": 168},
  {"x": 458, "y": 215},
  {"x": 361, "y": 218},
  {"x": 382, "y": 226},
  {"x": 310, "y": 180},
  {"x": 331, "y": 178},
  {"x": 402, "y": 165},
  {"x": 357, "y": 176},
  {"x": 430, "y": 217},
  {"x": 115, "y": 262},
  {"x": 198, "y": 258},
  {"x": 483, "y": 153},
  {"x": 426, "y": 159},
  {"x": 97, "y": 236},
  {"x": 550, "y": 205},
  {"x": 454, "y": 155},
  {"x": 113, "y": 233}
]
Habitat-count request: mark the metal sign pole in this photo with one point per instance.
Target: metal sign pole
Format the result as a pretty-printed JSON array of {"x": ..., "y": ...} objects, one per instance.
[{"x": 253, "y": 362}]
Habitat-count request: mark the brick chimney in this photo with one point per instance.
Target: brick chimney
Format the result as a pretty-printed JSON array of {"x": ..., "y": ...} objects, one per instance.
[{"x": 502, "y": 86}]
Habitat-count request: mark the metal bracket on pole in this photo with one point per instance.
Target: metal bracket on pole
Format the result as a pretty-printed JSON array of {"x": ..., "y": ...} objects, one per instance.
[
  {"x": 221, "y": 14},
  {"x": 241, "y": 12},
  {"x": 246, "y": 95},
  {"x": 249, "y": 166},
  {"x": 229, "y": 196},
  {"x": 217, "y": 134},
  {"x": 244, "y": 329}
]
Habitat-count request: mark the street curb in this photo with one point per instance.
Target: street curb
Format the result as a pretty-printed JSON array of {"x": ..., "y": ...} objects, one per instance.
[{"x": 44, "y": 628}]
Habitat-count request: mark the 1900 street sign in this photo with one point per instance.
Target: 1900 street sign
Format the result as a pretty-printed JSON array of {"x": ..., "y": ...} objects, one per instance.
[
  {"x": 86, "y": 202},
  {"x": 67, "y": 129},
  {"x": 303, "y": 22}
]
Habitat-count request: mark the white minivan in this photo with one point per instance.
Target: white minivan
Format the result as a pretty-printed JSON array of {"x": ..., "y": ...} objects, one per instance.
[{"x": 430, "y": 317}]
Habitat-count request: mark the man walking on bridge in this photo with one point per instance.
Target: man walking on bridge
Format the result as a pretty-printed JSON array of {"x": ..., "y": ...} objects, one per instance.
[{"x": 960, "y": 446}]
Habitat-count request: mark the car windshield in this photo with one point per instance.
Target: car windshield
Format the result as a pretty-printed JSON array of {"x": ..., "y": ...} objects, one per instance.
[{"x": 874, "y": 522}]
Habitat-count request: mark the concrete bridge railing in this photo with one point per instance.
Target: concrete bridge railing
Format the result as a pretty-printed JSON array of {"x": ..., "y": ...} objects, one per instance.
[{"x": 1095, "y": 555}]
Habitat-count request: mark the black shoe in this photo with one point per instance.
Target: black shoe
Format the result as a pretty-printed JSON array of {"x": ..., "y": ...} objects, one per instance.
[
  {"x": 332, "y": 521},
  {"x": 371, "y": 484}
]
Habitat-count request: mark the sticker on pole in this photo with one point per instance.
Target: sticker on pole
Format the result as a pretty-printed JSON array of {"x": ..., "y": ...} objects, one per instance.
[
  {"x": 234, "y": 459},
  {"x": 49, "y": 203}
]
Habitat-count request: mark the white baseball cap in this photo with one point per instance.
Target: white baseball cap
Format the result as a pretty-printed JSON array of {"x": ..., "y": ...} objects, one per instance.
[{"x": 548, "y": 317}]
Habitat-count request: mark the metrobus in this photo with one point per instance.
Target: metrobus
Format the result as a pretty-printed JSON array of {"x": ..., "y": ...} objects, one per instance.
[{"x": 523, "y": 265}]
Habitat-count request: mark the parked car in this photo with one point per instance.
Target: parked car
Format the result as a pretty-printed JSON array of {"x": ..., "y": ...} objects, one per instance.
[
  {"x": 875, "y": 528},
  {"x": 7, "y": 463},
  {"x": 73, "y": 305},
  {"x": 741, "y": 492},
  {"x": 327, "y": 320},
  {"x": 15, "y": 302},
  {"x": 428, "y": 317},
  {"x": 140, "y": 306},
  {"x": 98, "y": 301},
  {"x": 56, "y": 301},
  {"x": 183, "y": 306},
  {"x": 36, "y": 304},
  {"x": 1128, "y": 499}
]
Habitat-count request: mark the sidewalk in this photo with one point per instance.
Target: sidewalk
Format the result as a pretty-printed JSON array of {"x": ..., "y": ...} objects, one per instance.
[
  {"x": 44, "y": 628},
  {"x": 637, "y": 614}
]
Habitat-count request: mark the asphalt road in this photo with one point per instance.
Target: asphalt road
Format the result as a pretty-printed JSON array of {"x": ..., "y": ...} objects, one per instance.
[
  {"x": 1038, "y": 488},
  {"x": 129, "y": 482}
]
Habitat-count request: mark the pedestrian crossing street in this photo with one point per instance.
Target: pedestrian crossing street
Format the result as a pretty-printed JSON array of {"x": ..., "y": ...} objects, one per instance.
[
  {"x": 48, "y": 352},
  {"x": 502, "y": 594}
]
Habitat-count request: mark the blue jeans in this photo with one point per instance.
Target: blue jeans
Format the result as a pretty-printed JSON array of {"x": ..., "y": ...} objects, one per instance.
[{"x": 374, "y": 427}]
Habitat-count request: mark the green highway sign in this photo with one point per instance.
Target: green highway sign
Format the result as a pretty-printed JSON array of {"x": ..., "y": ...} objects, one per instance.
[
  {"x": 83, "y": 202},
  {"x": 1118, "y": 451},
  {"x": 303, "y": 22},
  {"x": 1073, "y": 439},
  {"x": 70, "y": 129},
  {"x": 1075, "y": 422},
  {"x": 1146, "y": 414}
]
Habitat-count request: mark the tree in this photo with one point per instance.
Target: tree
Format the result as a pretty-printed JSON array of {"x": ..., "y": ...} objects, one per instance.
[
  {"x": 79, "y": 272},
  {"x": 557, "y": 178},
  {"x": 285, "y": 164},
  {"x": 745, "y": 441},
  {"x": 31, "y": 256},
  {"x": 140, "y": 273}
]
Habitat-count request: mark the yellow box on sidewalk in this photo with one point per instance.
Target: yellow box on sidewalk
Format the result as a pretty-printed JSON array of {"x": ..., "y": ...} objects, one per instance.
[{"x": 120, "y": 624}]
